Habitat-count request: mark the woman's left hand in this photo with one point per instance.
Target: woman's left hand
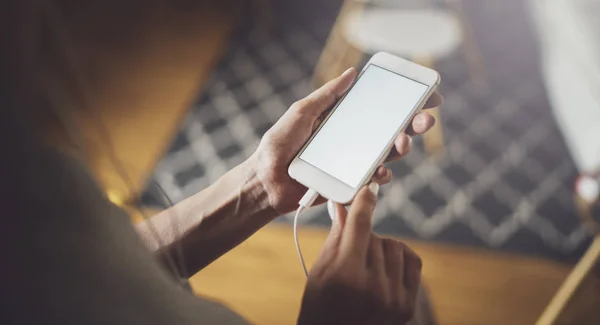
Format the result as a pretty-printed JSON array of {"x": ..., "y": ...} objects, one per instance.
[{"x": 282, "y": 142}]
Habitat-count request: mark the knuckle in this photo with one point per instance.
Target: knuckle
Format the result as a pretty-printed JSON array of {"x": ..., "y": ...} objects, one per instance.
[
  {"x": 306, "y": 107},
  {"x": 299, "y": 104},
  {"x": 328, "y": 91},
  {"x": 268, "y": 135}
]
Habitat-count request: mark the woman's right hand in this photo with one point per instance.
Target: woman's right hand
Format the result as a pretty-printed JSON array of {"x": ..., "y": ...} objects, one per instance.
[{"x": 361, "y": 278}]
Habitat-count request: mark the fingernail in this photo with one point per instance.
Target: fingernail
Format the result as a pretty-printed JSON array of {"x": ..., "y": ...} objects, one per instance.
[
  {"x": 374, "y": 188},
  {"x": 347, "y": 71},
  {"x": 410, "y": 140}
]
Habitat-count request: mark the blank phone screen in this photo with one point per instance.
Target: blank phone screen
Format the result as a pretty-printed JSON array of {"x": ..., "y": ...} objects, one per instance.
[{"x": 363, "y": 124}]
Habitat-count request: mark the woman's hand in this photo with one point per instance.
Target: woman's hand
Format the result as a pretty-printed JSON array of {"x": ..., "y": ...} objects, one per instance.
[
  {"x": 283, "y": 141},
  {"x": 359, "y": 277}
]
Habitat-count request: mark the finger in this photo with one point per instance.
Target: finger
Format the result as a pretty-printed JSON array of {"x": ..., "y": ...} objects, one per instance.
[
  {"x": 376, "y": 266},
  {"x": 403, "y": 144},
  {"x": 435, "y": 100},
  {"x": 321, "y": 99},
  {"x": 331, "y": 246},
  {"x": 394, "y": 265},
  {"x": 357, "y": 228},
  {"x": 382, "y": 175},
  {"x": 375, "y": 259},
  {"x": 420, "y": 124},
  {"x": 412, "y": 274}
]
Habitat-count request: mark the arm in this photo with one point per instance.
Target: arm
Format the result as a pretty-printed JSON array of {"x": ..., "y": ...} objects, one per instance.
[
  {"x": 251, "y": 195},
  {"x": 246, "y": 198},
  {"x": 212, "y": 221}
]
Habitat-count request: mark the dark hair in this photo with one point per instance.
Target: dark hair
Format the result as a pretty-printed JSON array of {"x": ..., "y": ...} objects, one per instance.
[{"x": 44, "y": 88}]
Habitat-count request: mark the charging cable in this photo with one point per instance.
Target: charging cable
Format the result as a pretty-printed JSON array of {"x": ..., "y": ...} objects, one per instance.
[{"x": 306, "y": 201}]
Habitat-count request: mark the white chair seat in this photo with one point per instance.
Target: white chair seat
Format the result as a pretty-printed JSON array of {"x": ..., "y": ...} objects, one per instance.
[{"x": 414, "y": 33}]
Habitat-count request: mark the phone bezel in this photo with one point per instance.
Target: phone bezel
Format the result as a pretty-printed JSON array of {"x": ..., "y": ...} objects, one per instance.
[{"x": 327, "y": 185}]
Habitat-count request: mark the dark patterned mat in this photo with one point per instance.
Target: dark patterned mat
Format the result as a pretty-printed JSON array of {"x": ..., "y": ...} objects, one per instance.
[{"x": 505, "y": 181}]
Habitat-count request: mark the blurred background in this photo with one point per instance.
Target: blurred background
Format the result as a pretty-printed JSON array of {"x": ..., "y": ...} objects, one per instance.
[
  {"x": 502, "y": 194},
  {"x": 504, "y": 176}
]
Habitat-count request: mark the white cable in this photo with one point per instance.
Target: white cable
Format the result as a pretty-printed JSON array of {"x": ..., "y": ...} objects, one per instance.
[
  {"x": 306, "y": 201},
  {"x": 298, "y": 250}
]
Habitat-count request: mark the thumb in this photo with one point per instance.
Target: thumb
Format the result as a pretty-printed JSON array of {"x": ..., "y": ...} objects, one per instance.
[{"x": 321, "y": 99}]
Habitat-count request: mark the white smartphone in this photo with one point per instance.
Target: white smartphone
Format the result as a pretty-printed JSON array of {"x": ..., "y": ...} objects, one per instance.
[{"x": 358, "y": 133}]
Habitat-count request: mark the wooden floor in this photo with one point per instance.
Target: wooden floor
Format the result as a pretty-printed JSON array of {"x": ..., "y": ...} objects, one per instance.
[{"x": 262, "y": 280}]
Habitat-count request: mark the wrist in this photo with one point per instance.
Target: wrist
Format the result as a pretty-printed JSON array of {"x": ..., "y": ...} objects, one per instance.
[{"x": 256, "y": 189}]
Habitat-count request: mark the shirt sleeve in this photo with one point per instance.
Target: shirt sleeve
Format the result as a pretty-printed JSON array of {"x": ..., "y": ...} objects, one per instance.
[{"x": 71, "y": 257}]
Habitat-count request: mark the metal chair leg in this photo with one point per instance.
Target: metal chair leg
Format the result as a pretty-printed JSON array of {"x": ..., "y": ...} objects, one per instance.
[{"x": 571, "y": 284}]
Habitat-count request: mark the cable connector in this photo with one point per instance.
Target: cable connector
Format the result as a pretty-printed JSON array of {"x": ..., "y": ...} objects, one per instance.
[{"x": 308, "y": 199}]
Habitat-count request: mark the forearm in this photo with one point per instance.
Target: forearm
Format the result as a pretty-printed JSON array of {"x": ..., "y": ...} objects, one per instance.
[{"x": 212, "y": 222}]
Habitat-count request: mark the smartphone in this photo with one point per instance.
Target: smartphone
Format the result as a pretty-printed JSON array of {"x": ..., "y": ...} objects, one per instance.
[{"x": 358, "y": 133}]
